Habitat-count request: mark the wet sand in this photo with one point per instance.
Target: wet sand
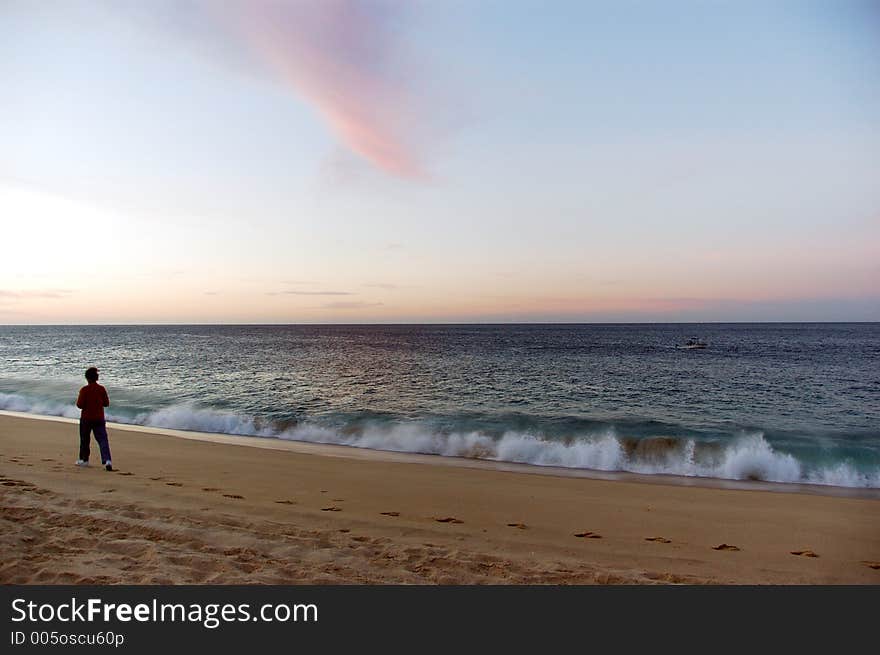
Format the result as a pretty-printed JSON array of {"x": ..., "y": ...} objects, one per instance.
[{"x": 228, "y": 510}]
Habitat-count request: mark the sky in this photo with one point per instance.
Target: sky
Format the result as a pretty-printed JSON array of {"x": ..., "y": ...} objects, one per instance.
[{"x": 385, "y": 161}]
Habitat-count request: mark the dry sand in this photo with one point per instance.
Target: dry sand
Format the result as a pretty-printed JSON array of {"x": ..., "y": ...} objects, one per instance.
[{"x": 181, "y": 510}]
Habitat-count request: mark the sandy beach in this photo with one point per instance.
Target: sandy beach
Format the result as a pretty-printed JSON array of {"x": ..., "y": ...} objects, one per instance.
[{"x": 229, "y": 510}]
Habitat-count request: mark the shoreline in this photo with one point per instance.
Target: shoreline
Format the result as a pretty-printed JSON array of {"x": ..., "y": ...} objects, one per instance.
[
  {"x": 195, "y": 511},
  {"x": 354, "y": 452}
]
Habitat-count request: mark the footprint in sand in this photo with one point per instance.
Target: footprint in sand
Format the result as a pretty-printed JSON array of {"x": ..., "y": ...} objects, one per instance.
[
  {"x": 659, "y": 540},
  {"x": 126, "y": 473},
  {"x": 286, "y": 502},
  {"x": 107, "y": 491},
  {"x": 7, "y": 482},
  {"x": 390, "y": 513},
  {"x": 174, "y": 484},
  {"x": 210, "y": 489},
  {"x": 448, "y": 519},
  {"x": 331, "y": 509},
  {"x": 588, "y": 535},
  {"x": 236, "y": 496},
  {"x": 872, "y": 565},
  {"x": 157, "y": 479},
  {"x": 804, "y": 553},
  {"x": 518, "y": 526},
  {"x": 725, "y": 547}
]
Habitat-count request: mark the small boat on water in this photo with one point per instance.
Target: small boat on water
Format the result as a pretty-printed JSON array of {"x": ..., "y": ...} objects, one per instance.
[{"x": 693, "y": 344}]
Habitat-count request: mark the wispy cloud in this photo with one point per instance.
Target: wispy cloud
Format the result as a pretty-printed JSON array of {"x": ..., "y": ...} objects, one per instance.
[
  {"x": 343, "y": 57},
  {"x": 350, "y": 305},
  {"x": 15, "y": 296},
  {"x": 385, "y": 286},
  {"x": 309, "y": 293},
  {"x": 338, "y": 56}
]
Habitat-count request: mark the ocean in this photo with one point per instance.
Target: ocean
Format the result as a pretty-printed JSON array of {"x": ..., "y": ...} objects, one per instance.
[{"x": 791, "y": 403}]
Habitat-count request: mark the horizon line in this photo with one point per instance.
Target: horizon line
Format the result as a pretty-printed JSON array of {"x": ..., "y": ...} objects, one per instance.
[{"x": 446, "y": 323}]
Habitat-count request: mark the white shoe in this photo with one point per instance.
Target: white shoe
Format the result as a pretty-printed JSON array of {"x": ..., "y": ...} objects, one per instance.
[{"x": 81, "y": 462}]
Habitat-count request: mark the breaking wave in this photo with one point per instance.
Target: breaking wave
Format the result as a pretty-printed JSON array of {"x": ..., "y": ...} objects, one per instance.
[{"x": 747, "y": 456}]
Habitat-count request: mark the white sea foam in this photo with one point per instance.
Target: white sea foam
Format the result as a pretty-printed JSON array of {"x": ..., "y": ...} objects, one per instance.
[
  {"x": 601, "y": 452},
  {"x": 843, "y": 475},
  {"x": 189, "y": 417},
  {"x": 17, "y": 403},
  {"x": 746, "y": 457},
  {"x": 751, "y": 458}
]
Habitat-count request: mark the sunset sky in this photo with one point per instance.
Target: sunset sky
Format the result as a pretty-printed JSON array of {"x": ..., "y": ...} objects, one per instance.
[{"x": 197, "y": 161}]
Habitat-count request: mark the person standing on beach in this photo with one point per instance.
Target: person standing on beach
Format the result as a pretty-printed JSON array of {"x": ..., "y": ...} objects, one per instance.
[{"x": 92, "y": 400}]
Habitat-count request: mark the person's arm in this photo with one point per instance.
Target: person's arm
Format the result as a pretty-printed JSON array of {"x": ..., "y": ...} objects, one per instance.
[
  {"x": 106, "y": 398},
  {"x": 79, "y": 399}
]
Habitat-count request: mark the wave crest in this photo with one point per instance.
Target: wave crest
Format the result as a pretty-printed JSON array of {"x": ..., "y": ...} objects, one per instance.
[{"x": 745, "y": 457}]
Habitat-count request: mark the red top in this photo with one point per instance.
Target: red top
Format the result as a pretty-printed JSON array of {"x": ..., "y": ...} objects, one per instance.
[{"x": 92, "y": 400}]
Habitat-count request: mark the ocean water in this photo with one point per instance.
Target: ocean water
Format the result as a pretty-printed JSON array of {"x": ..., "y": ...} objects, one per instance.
[{"x": 796, "y": 403}]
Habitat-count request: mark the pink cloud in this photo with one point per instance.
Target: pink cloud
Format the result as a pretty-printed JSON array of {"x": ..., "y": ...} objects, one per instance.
[{"x": 337, "y": 55}]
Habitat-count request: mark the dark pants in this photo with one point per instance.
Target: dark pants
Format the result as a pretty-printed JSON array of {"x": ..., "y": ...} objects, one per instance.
[{"x": 100, "y": 430}]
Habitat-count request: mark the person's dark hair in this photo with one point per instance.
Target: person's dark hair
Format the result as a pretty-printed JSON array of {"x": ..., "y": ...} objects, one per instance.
[{"x": 92, "y": 374}]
